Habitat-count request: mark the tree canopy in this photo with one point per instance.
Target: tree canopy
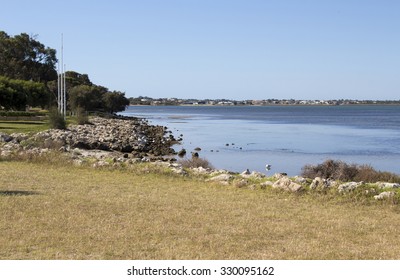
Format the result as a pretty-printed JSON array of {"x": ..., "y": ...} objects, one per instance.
[
  {"x": 90, "y": 97},
  {"x": 23, "y": 57},
  {"x": 17, "y": 94},
  {"x": 28, "y": 77}
]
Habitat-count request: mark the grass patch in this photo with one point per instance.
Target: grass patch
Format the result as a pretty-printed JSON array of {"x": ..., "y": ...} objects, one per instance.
[
  {"x": 27, "y": 127},
  {"x": 10, "y": 127},
  {"x": 84, "y": 213}
]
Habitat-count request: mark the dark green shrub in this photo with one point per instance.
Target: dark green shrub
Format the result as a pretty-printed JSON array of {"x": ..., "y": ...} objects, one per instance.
[{"x": 56, "y": 119}]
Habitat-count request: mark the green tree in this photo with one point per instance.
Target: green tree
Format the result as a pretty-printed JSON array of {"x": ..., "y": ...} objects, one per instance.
[
  {"x": 115, "y": 101},
  {"x": 17, "y": 94},
  {"x": 86, "y": 97},
  {"x": 23, "y": 57},
  {"x": 76, "y": 79}
]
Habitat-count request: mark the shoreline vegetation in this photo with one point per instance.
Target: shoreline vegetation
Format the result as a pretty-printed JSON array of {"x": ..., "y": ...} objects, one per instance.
[{"x": 111, "y": 189}]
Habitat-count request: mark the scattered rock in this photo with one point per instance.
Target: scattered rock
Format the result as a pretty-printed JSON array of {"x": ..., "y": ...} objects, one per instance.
[
  {"x": 195, "y": 154},
  {"x": 279, "y": 175},
  {"x": 253, "y": 174},
  {"x": 384, "y": 185},
  {"x": 182, "y": 153},
  {"x": 384, "y": 195},
  {"x": 5, "y": 137},
  {"x": 288, "y": 185},
  {"x": 350, "y": 186},
  {"x": 266, "y": 184},
  {"x": 319, "y": 183},
  {"x": 221, "y": 178},
  {"x": 201, "y": 170}
]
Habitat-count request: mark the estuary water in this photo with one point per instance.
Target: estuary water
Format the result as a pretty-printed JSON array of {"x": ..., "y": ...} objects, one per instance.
[{"x": 237, "y": 138}]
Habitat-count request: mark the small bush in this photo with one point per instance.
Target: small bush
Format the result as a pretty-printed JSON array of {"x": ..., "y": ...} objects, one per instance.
[
  {"x": 56, "y": 119},
  {"x": 81, "y": 116},
  {"x": 339, "y": 170},
  {"x": 195, "y": 162}
]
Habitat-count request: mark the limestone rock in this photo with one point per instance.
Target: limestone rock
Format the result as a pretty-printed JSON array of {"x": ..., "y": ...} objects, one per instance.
[
  {"x": 384, "y": 195},
  {"x": 288, "y": 185},
  {"x": 254, "y": 174},
  {"x": 201, "y": 170},
  {"x": 300, "y": 180},
  {"x": 319, "y": 183},
  {"x": 350, "y": 186},
  {"x": 266, "y": 184},
  {"x": 384, "y": 185},
  {"x": 221, "y": 178}
]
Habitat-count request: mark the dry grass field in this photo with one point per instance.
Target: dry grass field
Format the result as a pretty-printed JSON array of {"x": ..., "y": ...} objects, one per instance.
[{"x": 55, "y": 211}]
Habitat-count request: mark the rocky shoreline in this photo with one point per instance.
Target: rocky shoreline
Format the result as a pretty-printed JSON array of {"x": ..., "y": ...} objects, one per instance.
[
  {"x": 128, "y": 138},
  {"x": 122, "y": 140}
]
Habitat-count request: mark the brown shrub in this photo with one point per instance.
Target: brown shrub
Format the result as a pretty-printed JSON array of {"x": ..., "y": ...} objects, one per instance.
[
  {"x": 339, "y": 170},
  {"x": 195, "y": 162}
]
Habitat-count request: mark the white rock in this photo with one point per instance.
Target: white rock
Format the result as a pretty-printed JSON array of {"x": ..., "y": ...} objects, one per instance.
[
  {"x": 286, "y": 184},
  {"x": 384, "y": 195},
  {"x": 350, "y": 186},
  {"x": 221, "y": 178}
]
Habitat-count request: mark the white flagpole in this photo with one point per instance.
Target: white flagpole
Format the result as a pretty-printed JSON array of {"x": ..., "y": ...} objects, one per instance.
[
  {"x": 65, "y": 94},
  {"x": 59, "y": 87}
]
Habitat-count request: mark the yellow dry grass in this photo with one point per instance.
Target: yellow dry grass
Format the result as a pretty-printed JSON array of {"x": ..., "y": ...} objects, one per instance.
[{"x": 62, "y": 212}]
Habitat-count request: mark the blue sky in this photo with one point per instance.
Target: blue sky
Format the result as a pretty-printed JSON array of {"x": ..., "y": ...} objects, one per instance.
[{"x": 237, "y": 49}]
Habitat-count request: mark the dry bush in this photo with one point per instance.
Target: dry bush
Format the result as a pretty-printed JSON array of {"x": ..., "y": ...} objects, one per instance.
[
  {"x": 339, "y": 170},
  {"x": 195, "y": 162}
]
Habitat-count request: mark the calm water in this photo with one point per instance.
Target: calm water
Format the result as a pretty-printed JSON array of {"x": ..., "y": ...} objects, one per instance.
[{"x": 287, "y": 137}]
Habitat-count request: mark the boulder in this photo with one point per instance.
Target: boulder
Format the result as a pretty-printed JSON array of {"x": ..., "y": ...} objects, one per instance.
[
  {"x": 286, "y": 184},
  {"x": 384, "y": 195},
  {"x": 319, "y": 183},
  {"x": 5, "y": 137},
  {"x": 279, "y": 175},
  {"x": 384, "y": 185},
  {"x": 350, "y": 186},
  {"x": 300, "y": 180},
  {"x": 201, "y": 170},
  {"x": 266, "y": 184}
]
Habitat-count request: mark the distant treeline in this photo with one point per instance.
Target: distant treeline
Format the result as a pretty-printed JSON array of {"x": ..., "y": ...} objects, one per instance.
[{"x": 28, "y": 78}]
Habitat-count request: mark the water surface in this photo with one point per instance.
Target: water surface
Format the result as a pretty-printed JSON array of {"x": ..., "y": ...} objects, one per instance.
[{"x": 287, "y": 137}]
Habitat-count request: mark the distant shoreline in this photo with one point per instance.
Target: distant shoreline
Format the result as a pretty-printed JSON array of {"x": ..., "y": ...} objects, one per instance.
[
  {"x": 147, "y": 101},
  {"x": 267, "y": 105}
]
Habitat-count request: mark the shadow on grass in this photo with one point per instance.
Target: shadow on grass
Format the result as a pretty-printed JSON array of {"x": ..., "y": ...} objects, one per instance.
[{"x": 18, "y": 193}]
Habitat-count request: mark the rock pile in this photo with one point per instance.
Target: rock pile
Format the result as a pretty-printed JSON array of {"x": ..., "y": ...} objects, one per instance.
[{"x": 133, "y": 137}]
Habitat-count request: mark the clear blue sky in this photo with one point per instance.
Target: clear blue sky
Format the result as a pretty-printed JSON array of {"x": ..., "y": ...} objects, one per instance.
[{"x": 238, "y": 49}]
